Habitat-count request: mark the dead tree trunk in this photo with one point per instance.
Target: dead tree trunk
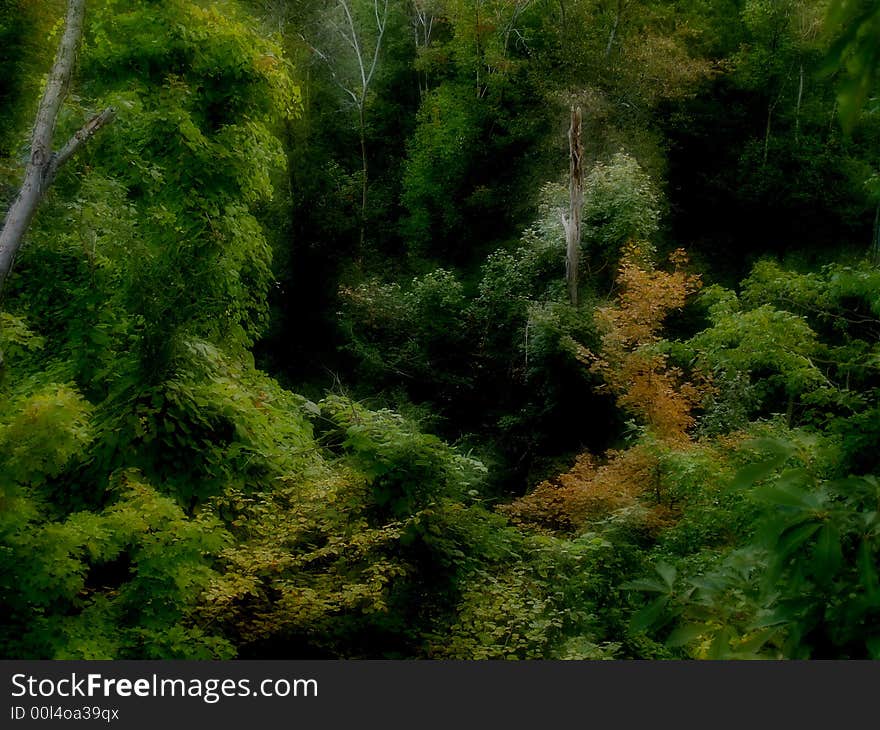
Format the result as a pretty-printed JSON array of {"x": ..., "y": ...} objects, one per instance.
[
  {"x": 572, "y": 223},
  {"x": 797, "y": 111},
  {"x": 875, "y": 247},
  {"x": 44, "y": 164}
]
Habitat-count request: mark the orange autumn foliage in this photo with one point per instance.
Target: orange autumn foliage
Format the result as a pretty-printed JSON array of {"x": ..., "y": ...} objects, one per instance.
[
  {"x": 640, "y": 376},
  {"x": 645, "y": 385},
  {"x": 588, "y": 492}
]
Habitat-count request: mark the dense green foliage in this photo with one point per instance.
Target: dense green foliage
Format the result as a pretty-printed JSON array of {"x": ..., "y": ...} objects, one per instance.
[{"x": 289, "y": 370}]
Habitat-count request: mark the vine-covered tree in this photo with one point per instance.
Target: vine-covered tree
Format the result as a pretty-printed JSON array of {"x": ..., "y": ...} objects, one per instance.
[{"x": 44, "y": 162}]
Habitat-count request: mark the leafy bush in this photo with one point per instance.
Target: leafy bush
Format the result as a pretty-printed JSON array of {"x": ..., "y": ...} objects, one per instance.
[
  {"x": 804, "y": 584},
  {"x": 621, "y": 204},
  {"x": 417, "y": 337}
]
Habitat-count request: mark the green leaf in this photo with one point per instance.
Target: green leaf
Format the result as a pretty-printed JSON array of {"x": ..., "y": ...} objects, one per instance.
[
  {"x": 779, "y": 448},
  {"x": 868, "y": 571},
  {"x": 792, "y": 539},
  {"x": 751, "y": 473},
  {"x": 789, "y": 491},
  {"x": 651, "y": 616},
  {"x": 757, "y": 641},
  {"x": 687, "y": 634},
  {"x": 720, "y": 647},
  {"x": 773, "y": 618},
  {"x": 645, "y": 584},
  {"x": 312, "y": 408},
  {"x": 827, "y": 554},
  {"x": 667, "y": 573}
]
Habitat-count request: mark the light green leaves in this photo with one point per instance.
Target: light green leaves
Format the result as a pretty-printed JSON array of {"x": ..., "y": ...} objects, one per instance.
[{"x": 621, "y": 204}]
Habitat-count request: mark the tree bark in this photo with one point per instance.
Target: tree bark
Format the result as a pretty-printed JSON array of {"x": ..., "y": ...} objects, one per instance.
[
  {"x": 875, "y": 252},
  {"x": 614, "y": 26},
  {"x": 572, "y": 224},
  {"x": 423, "y": 28},
  {"x": 358, "y": 88},
  {"x": 43, "y": 164},
  {"x": 797, "y": 111},
  {"x": 477, "y": 44},
  {"x": 364, "y": 182},
  {"x": 767, "y": 129}
]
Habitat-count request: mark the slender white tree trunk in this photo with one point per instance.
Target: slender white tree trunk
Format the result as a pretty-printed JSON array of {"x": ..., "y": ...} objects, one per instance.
[
  {"x": 364, "y": 172},
  {"x": 358, "y": 88},
  {"x": 423, "y": 28},
  {"x": 614, "y": 26}
]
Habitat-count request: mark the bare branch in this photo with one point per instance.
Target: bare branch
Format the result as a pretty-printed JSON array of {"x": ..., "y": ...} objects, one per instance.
[
  {"x": 357, "y": 47},
  {"x": 323, "y": 56},
  {"x": 357, "y": 90},
  {"x": 380, "y": 25},
  {"x": 85, "y": 133},
  {"x": 352, "y": 41}
]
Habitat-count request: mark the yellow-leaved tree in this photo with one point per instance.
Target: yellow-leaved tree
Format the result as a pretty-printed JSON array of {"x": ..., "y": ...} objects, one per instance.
[
  {"x": 636, "y": 370},
  {"x": 630, "y": 362}
]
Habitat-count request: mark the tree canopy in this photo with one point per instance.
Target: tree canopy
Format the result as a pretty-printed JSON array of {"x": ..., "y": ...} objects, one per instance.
[{"x": 290, "y": 365}]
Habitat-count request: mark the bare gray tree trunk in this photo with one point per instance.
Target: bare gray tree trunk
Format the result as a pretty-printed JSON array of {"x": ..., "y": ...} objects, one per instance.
[
  {"x": 478, "y": 49},
  {"x": 875, "y": 252},
  {"x": 43, "y": 164},
  {"x": 797, "y": 111},
  {"x": 767, "y": 129},
  {"x": 364, "y": 172},
  {"x": 572, "y": 224},
  {"x": 357, "y": 88},
  {"x": 423, "y": 29},
  {"x": 614, "y": 26}
]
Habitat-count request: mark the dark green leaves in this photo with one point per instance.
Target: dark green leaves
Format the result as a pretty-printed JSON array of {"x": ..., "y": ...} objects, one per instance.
[{"x": 855, "y": 51}]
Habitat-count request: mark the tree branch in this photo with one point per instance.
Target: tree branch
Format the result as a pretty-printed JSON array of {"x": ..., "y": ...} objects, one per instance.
[
  {"x": 380, "y": 27},
  {"x": 357, "y": 46},
  {"x": 323, "y": 56},
  {"x": 43, "y": 165},
  {"x": 85, "y": 133}
]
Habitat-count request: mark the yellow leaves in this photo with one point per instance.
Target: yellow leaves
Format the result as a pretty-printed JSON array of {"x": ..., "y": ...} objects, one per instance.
[
  {"x": 307, "y": 553},
  {"x": 635, "y": 369},
  {"x": 266, "y": 62},
  {"x": 14, "y": 335},
  {"x": 224, "y": 592},
  {"x": 665, "y": 69},
  {"x": 44, "y": 432},
  {"x": 646, "y": 297},
  {"x": 658, "y": 394},
  {"x": 587, "y": 491},
  {"x": 630, "y": 364}
]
